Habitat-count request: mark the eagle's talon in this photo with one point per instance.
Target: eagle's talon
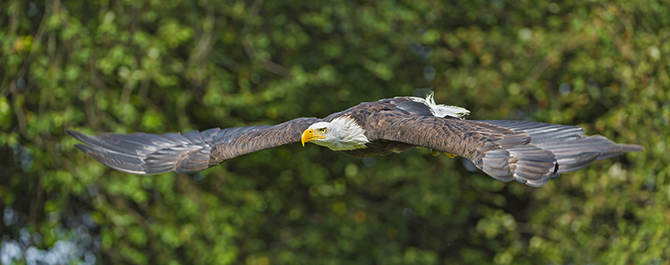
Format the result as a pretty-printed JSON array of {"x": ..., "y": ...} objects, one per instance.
[{"x": 450, "y": 155}]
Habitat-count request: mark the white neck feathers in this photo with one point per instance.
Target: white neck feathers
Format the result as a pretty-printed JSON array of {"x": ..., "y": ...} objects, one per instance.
[
  {"x": 352, "y": 135},
  {"x": 347, "y": 135}
]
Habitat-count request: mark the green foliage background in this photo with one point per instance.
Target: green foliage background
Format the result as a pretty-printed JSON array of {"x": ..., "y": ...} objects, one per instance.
[{"x": 160, "y": 66}]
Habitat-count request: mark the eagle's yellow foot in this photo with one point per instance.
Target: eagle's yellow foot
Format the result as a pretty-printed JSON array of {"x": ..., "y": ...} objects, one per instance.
[
  {"x": 450, "y": 155},
  {"x": 434, "y": 152}
]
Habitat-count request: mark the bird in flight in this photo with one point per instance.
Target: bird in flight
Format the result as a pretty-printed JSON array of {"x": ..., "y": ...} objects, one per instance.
[{"x": 528, "y": 152}]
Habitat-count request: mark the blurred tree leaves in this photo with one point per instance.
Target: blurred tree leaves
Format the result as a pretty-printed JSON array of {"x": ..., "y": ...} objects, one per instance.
[{"x": 159, "y": 66}]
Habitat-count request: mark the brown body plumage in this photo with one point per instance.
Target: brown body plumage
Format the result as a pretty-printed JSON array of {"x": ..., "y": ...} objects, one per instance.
[{"x": 528, "y": 152}]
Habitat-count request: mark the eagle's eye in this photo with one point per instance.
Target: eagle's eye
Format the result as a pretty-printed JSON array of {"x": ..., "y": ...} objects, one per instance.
[{"x": 323, "y": 130}]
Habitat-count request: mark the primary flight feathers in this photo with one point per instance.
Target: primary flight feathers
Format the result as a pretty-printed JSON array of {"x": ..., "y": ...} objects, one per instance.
[{"x": 529, "y": 152}]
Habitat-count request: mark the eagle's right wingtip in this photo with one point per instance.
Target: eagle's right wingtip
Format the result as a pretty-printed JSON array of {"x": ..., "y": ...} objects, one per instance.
[{"x": 77, "y": 135}]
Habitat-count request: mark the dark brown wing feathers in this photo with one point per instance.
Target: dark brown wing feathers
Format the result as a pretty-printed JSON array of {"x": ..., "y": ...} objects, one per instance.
[
  {"x": 272, "y": 136},
  {"x": 450, "y": 135},
  {"x": 529, "y": 152},
  {"x": 187, "y": 153}
]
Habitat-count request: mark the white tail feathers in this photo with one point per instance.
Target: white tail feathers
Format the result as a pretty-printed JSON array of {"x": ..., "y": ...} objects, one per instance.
[{"x": 440, "y": 110}]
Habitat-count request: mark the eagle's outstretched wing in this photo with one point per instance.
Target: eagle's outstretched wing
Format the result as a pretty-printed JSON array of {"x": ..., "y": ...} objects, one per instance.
[
  {"x": 142, "y": 153},
  {"x": 529, "y": 152}
]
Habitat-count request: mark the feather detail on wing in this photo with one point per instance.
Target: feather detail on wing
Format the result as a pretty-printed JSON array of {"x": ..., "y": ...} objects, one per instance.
[
  {"x": 529, "y": 152},
  {"x": 553, "y": 149},
  {"x": 142, "y": 153}
]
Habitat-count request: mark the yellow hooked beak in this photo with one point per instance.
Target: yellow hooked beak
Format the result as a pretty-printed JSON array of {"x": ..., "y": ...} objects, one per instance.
[{"x": 308, "y": 135}]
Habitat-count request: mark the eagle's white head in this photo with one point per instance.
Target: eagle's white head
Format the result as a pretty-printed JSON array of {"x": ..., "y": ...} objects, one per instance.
[{"x": 343, "y": 133}]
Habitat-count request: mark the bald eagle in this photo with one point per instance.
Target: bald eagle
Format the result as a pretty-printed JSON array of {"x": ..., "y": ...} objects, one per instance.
[{"x": 528, "y": 152}]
